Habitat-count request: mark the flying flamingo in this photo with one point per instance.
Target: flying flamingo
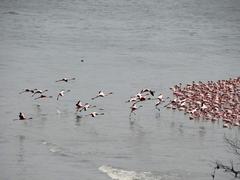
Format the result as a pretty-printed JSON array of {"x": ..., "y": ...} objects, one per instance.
[
  {"x": 157, "y": 104},
  {"x": 61, "y": 93},
  {"x": 43, "y": 96},
  {"x": 132, "y": 99},
  {"x": 65, "y": 79},
  {"x": 133, "y": 108},
  {"x": 144, "y": 98},
  {"x": 147, "y": 90},
  {"x": 161, "y": 98},
  {"x": 28, "y": 90},
  {"x": 94, "y": 114},
  {"x": 102, "y": 94},
  {"x": 38, "y": 91},
  {"x": 79, "y": 105},
  {"x": 86, "y": 107}
]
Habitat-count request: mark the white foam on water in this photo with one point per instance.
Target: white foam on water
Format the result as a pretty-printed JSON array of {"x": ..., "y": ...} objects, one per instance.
[
  {"x": 120, "y": 174},
  {"x": 53, "y": 150},
  {"x": 52, "y": 147},
  {"x": 44, "y": 142},
  {"x": 58, "y": 111}
]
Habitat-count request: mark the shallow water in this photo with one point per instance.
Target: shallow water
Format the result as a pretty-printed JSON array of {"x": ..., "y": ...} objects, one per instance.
[{"x": 126, "y": 45}]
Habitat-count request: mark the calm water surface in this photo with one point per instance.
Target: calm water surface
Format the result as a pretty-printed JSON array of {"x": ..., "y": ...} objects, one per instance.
[{"x": 126, "y": 45}]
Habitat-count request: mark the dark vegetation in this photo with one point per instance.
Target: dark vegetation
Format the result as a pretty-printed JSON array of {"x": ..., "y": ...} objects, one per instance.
[{"x": 233, "y": 167}]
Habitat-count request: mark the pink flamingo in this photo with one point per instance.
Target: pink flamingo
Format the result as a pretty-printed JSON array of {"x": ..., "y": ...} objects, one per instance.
[
  {"x": 61, "y": 93},
  {"x": 147, "y": 90},
  {"x": 22, "y": 116},
  {"x": 28, "y": 90},
  {"x": 38, "y": 91},
  {"x": 43, "y": 96},
  {"x": 133, "y": 108},
  {"x": 94, "y": 114},
  {"x": 102, "y": 94}
]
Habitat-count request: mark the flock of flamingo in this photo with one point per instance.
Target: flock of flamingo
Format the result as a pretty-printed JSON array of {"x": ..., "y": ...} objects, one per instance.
[
  {"x": 211, "y": 101},
  {"x": 79, "y": 105}
]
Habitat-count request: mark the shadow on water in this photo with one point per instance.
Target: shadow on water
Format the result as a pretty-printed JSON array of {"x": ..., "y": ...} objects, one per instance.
[
  {"x": 11, "y": 13},
  {"x": 157, "y": 115},
  {"x": 137, "y": 130},
  {"x": 202, "y": 131},
  {"x": 78, "y": 119},
  {"x": 21, "y": 154},
  {"x": 180, "y": 130},
  {"x": 133, "y": 123},
  {"x": 21, "y": 149},
  {"x": 39, "y": 114},
  {"x": 38, "y": 109}
]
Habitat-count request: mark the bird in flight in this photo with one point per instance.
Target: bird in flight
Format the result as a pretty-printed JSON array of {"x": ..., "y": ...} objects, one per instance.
[
  {"x": 102, "y": 94},
  {"x": 133, "y": 108},
  {"x": 38, "y": 91},
  {"x": 28, "y": 90},
  {"x": 94, "y": 114},
  {"x": 65, "y": 79},
  {"x": 42, "y": 96},
  {"x": 61, "y": 93},
  {"x": 147, "y": 90}
]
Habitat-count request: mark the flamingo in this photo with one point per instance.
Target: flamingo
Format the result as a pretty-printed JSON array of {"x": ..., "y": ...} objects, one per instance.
[
  {"x": 132, "y": 99},
  {"x": 86, "y": 107},
  {"x": 161, "y": 98},
  {"x": 172, "y": 102},
  {"x": 138, "y": 95},
  {"x": 22, "y": 116},
  {"x": 157, "y": 104},
  {"x": 27, "y": 90},
  {"x": 191, "y": 117},
  {"x": 102, "y": 94},
  {"x": 65, "y": 79},
  {"x": 147, "y": 90},
  {"x": 38, "y": 91},
  {"x": 144, "y": 98},
  {"x": 203, "y": 107},
  {"x": 211, "y": 100},
  {"x": 133, "y": 108},
  {"x": 43, "y": 96},
  {"x": 79, "y": 105},
  {"x": 226, "y": 125},
  {"x": 61, "y": 93},
  {"x": 236, "y": 123},
  {"x": 94, "y": 114}
]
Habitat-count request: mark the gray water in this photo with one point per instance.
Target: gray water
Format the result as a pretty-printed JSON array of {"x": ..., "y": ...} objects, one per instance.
[{"x": 126, "y": 45}]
